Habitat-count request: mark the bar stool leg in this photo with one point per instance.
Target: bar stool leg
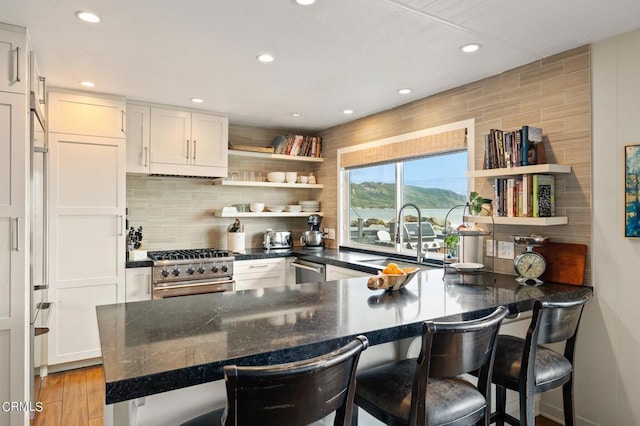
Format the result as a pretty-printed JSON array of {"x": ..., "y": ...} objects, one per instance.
[
  {"x": 501, "y": 401},
  {"x": 567, "y": 402}
]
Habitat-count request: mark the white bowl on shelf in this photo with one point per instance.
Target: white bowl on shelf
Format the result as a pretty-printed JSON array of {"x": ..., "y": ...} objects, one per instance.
[
  {"x": 275, "y": 209},
  {"x": 293, "y": 208},
  {"x": 291, "y": 177},
  {"x": 256, "y": 207},
  {"x": 276, "y": 177}
]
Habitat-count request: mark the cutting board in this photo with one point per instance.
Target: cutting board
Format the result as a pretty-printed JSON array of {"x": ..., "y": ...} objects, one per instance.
[{"x": 565, "y": 262}]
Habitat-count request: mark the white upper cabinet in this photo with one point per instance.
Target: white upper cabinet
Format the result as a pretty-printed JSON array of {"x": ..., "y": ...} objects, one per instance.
[
  {"x": 138, "y": 124},
  {"x": 186, "y": 143},
  {"x": 13, "y": 59},
  {"x": 83, "y": 114}
]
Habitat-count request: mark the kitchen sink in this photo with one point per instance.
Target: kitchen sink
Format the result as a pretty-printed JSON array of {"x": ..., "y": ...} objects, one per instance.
[{"x": 381, "y": 262}]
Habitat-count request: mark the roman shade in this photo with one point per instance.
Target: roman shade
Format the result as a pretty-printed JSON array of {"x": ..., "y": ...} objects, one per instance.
[{"x": 453, "y": 140}]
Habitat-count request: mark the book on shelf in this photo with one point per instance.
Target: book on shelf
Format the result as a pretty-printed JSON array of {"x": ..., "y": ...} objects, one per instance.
[
  {"x": 530, "y": 195},
  {"x": 543, "y": 196},
  {"x": 506, "y": 149},
  {"x": 297, "y": 145}
]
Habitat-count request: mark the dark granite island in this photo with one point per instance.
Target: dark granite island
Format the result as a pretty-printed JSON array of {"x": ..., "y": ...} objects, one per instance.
[{"x": 158, "y": 346}]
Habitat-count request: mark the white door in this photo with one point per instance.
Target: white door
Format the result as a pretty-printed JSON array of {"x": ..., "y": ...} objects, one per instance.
[
  {"x": 13, "y": 62},
  {"x": 138, "y": 122},
  {"x": 87, "y": 239},
  {"x": 209, "y": 134},
  {"x": 80, "y": 114},
  {"x": 170, "y": 136},
  {"x": 14, "y": 314}
]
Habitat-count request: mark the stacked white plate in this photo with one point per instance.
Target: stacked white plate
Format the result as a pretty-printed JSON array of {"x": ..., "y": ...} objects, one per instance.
[{"x": 310, "y": 206}]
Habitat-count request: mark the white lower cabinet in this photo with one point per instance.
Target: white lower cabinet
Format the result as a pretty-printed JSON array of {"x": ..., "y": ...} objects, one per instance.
[
  {"x": 138, "y": 284},
  {"x": 259, "y": 273},
  {"x": 338, "y": 273}
]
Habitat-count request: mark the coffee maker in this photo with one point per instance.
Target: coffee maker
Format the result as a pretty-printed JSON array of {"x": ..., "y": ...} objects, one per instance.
[{"x": 314, "y": 237}]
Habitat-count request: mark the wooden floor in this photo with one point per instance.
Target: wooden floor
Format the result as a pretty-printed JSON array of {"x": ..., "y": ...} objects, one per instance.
[
  {"x": 76, "y": 398},
  {"x": 71, "y": 398}
]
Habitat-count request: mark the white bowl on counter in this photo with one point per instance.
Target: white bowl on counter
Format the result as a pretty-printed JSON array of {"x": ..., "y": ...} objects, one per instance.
[
  {"x": 276, "y": 177},
  {"x": 256, "y": 207}
]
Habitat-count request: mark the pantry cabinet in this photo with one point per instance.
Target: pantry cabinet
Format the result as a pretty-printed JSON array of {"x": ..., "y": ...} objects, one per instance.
[
  {"x": 188, "y": 143},
  {"x": 13, "y": 59},
  {"x": 78, "y": 113}
]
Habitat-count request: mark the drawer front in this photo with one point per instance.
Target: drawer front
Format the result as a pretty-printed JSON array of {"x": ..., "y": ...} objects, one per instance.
[{"x": 263, "y": 266}]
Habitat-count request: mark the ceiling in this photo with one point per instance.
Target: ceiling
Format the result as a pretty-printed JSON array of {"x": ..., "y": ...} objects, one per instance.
[{"x": 330, "y": 56}]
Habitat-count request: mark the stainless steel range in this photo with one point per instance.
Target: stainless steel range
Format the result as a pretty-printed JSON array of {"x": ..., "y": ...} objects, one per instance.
[{"x": 193, "y": 271}]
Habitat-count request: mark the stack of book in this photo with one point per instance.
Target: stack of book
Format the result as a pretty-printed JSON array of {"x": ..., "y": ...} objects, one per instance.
[
  {"x": 298, "y": 145},
  {"x": 526, "y": 196},
  {"x": 512, "y": 149}
]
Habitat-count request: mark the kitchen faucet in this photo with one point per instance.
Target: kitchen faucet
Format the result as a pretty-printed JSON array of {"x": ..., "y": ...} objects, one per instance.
[{"x": 399, "y": 228}]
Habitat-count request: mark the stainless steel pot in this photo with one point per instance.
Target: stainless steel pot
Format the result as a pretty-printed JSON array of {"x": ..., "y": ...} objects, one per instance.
[{"x": 312, "y": 239}]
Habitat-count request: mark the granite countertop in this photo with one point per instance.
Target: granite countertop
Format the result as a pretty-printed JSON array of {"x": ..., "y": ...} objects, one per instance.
[{"x": 156, "y": 346}]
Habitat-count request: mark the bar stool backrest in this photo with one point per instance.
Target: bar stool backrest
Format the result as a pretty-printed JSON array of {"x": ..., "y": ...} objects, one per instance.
[
  {"x": 450, "y": 349},
  {"x": 297, "y": 393},
  {"x": 557, "y": 321}
]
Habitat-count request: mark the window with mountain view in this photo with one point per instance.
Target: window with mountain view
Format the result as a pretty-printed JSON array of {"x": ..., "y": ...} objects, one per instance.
[{"x": 435, "y": 184}]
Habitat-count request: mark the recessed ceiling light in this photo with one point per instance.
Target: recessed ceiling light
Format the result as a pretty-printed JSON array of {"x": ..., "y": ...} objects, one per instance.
[
  {"x": 404, "y": 91},
  {"x": 88, "y": 17},
  {"x": 347, "y": 111},
  {"x": 305, "y": 2},
  {"x": 87, "y": 84},
  {"x": 471, "y": 47},
  {"x": 197, "y": 100},
  {"x": 296, "y": 114},
  {"x": 265, "y": 57}
]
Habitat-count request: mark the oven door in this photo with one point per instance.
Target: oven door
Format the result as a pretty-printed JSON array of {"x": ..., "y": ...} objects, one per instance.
[{"x": 186, "y": 288}]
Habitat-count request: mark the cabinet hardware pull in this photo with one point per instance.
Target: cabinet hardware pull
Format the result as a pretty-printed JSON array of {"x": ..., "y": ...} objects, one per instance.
[
  {"x": 121, "y": 233},
  {"x": 43, "y": 80},
  {"x": 187, "y": 149},
  {"x": 258, "y": 266},
  {"x": 122, "y": 121},
  {"x": 18, "y": 64},
  {"x": 194, "y": 149},
  {"x": 146, "y": 156},
  {"x": 17, "y": 233}
]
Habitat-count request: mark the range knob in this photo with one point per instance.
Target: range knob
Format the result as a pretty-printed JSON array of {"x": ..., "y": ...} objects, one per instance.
[
  {"x": 176, "y": 272},
  {"x": 164, "y": 273},
  {"x": 224, "y": 268},
  {"x": 190, "y": 270},
  {"x": 214, "y": 269},
  {"x": 201, "y": 269}
]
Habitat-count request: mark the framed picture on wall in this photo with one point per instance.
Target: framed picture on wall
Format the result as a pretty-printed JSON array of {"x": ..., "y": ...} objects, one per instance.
[{"x": 632, "y": 191}]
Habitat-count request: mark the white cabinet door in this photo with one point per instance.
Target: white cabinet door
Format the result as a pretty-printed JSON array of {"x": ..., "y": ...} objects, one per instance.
[
  {"x": 170, "y": 136},
  {"x": 87, "y": 239},
  {"x": 81, "y": 114},
  {"x": 138, "y": 122},
  {"x": 338, "y": 273},
  {"x": 209, "y": 134},
  {"x": 138, "y": 284},
  {"x": 13, "y": 61},
  {"x": 14, "y": 313},
  {"x": 259, "y": 273}
]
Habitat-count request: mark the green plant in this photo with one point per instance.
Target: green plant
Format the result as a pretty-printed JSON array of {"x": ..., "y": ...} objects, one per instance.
[
  {"x": 451, "y": 241},
  {"x": 475, "y": 203}
]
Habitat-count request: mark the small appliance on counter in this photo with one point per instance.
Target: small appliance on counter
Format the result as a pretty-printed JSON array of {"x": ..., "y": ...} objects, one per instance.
[
  {"x": 274, "y": 240},
  {"x": 235, "y": 237},
  {"x": 313, "y": 238}
]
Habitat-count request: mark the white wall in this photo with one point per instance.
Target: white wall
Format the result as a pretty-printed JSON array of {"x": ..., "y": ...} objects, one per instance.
[{"x": 607, "y": 385}]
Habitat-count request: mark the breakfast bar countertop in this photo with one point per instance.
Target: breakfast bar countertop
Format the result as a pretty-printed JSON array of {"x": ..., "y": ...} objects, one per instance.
[{"x": 160, "y": 345}]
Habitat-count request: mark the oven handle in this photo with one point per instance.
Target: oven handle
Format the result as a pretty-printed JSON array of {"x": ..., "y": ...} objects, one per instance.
[
  {"x": 308, "y": 268},
  {"x": 169, "y": 287}
]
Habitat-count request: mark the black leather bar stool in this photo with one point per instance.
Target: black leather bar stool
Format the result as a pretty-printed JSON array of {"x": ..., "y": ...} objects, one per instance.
[
  {"x": 429, "y": 390},
  {"x": 296, "y": 394},
  {"x": 524, "y": 366}
]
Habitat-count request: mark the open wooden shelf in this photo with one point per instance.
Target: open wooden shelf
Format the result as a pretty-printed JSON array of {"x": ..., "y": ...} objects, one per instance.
[
  {"x": 267, "y": 156},
  {"x": 219, "y": 213},
  {"x": 512, "y": 171},
  {"x": 531, "y": 221},
  {"x": 224, "y": 182}
]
